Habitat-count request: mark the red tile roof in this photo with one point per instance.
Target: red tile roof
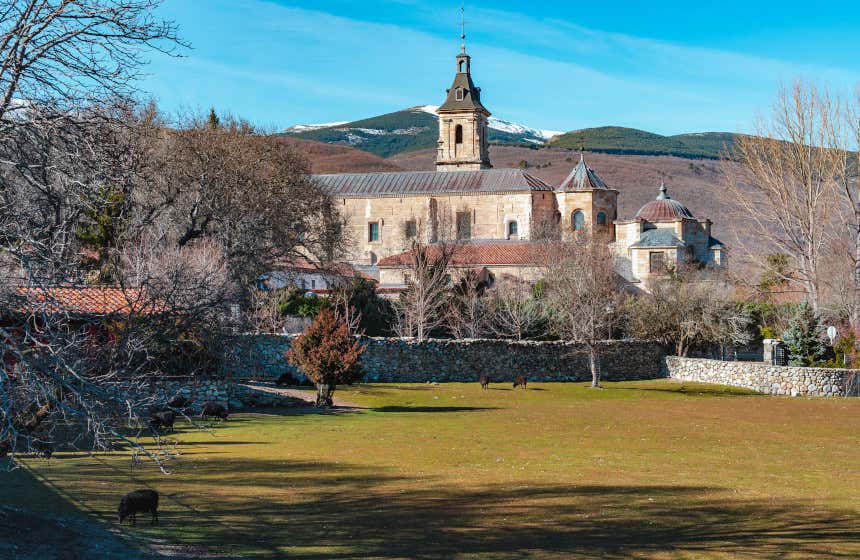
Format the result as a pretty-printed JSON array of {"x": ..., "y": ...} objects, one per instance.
[
  {"x": 510, "y": 253},
  {"x": 86, "y": 300}
]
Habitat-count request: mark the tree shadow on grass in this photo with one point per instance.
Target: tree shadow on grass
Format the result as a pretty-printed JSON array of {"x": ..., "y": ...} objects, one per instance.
[
  {"x": 693, "y": 390},
  {"x": 433, "y": 408},
  {"x": 320, "y": 510}
]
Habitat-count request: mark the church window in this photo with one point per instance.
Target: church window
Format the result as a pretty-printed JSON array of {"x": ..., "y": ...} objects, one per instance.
[
  {"x": 656, "y": 263},
  {"x": 601, "y": 219},
  {"x": 464, "y": 225},
  {"x": 458, "y": 94},
  {"x": 458, "y": 134},
  {"x": 513, "y": 230},
  {"x": 577, "y": 221},
  {"x": 410, "y": 229},
  {"x": 462, "y": 65},
  {"x": 373, "y": 231}
]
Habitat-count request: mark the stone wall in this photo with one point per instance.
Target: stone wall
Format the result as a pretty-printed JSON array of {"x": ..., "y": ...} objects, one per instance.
[
  {"x": 393, "y": 359},
  {"x": 768, "y": 379},
  {"x": 235, "y": 396}
]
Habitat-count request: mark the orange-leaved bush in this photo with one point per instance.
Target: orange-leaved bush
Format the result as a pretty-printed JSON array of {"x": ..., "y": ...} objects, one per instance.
[{"x": 327, "y": 354}]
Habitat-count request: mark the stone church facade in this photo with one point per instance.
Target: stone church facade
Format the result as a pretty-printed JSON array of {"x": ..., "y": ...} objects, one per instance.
[{"x": 497, "y": 212}]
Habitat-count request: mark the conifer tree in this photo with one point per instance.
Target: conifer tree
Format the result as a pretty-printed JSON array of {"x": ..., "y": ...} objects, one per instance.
[
  {"x": 803, "y": 337},
  {"x": 212, "y": 120},
  {"x": 327, "y": 354}
]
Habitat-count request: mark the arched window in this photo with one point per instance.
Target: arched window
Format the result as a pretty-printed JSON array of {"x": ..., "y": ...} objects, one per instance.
[
  {"x": 577, "y": 221},
  {"x": 458, "y": 134},
  {"x": 513, "y": 229},
  {"x": 462, "y": 65},
  {"x": 601, "y": 219},
  {"x": 458, "y": 94}
]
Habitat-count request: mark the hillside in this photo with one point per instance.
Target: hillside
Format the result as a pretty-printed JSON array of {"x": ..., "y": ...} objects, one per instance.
[
  {"x": 331, "y": 158},
  {"x": 417, "y": 128},
  {"x": 411, "y": 129},
  {"x": 620, "y": 140}
]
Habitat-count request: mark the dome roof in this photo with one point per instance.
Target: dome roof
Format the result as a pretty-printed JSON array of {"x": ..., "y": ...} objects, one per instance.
[
  {"x": 582, "y": 178},
  {"x": 663, "y": 209}
]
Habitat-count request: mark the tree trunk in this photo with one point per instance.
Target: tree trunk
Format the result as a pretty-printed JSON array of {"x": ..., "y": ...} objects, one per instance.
[
  {"x": 325, "y": 395},
  {"x": 855, "y": 304},
  {"x": 595, "y": 371}
]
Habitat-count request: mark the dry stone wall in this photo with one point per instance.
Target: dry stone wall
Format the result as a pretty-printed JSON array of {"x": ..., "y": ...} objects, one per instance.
[
  {"x": 400, "y": 360},
  {"x": 768, "y": 379},
  {"x": 234, "y": 396}
]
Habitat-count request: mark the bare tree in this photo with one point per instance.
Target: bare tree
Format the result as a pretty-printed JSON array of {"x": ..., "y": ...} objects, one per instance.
[
  {"x": 468, "y": 312},
  {"x": 689, "y": 309},
  {"x": 67, "y": 55},
  {"x": 850, "y": 187},
  {"x": 422, "y": 306},
  {"x": 786, "y": 182},
  {"x": 77, "y": 373},
  {"x": 515, "y": 312},
  {"x": 581, "y": 288},
  {"x": 251, "y": 192}
]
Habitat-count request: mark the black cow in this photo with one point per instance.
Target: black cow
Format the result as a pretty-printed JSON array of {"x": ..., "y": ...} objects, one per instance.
[
  {"x": 213, "y": 409},
  {"x": 138, "y": 501}
]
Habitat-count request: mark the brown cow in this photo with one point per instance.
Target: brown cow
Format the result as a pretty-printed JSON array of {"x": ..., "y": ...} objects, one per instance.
[
  {"x": 484, "y": 380},
  {"x": 520, "y": 382}
]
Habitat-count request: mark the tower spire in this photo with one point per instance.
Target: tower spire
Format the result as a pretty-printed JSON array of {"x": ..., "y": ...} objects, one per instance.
[{"x": 463, "y": 27}]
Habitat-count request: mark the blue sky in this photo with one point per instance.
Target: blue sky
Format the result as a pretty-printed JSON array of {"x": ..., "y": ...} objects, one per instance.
[{"x": 668, "y": 67}]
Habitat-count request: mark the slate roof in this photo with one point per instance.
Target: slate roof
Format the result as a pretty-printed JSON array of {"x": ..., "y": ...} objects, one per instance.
[
  {"x": 582, "y": 178},
  {"x": 498, "y": 253},
  {"x": 658, "y": 238},
  {"x": 429, "y": 182},
  {"x": 664, "y": 209},
  {"x": 86, "y": 300},
  {"x": 714, "y": 243},
  {"x": 471, "y": 94}
]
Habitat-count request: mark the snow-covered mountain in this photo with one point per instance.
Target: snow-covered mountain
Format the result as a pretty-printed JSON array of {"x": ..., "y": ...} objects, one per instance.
[
  {"x": 504, "y": 126},
  {"x": 410, "y": 129}
]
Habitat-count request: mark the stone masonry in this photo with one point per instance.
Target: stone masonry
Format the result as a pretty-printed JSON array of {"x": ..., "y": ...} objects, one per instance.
[
  {"x": 399, "y": 360},
  {"x": 767, "y": 379}
]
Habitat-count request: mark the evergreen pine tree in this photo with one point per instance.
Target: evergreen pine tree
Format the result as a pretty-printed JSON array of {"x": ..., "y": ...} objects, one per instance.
[
  {"x": 213, "y": 121},
  {"x": 803, "y": 337}
]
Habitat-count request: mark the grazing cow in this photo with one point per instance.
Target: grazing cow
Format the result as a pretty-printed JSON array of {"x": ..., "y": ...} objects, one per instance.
[
  {"x": 520, "y": 382},
  {"x": 138, "y": 501},
  {"x": 180, "y": 402},
  {"x": 213, "y": 409},
  {"x": 162, "y": 420},
  {"x": 484, "y": 380}
]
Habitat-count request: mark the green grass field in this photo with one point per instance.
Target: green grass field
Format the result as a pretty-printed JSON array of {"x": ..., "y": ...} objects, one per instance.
[{"x": 652, "y": 469}]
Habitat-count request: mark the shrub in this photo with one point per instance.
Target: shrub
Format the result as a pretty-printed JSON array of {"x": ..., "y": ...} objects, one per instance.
[
  {"x": 295, "y": 302},
  {"x": 845, "y": 351},
  {"x": 767, "y": 333},
  {"x": 327, "y": 354}
]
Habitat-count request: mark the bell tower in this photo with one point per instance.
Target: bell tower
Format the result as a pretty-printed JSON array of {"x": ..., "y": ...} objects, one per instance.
[{"x": 463, "y": 141}]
